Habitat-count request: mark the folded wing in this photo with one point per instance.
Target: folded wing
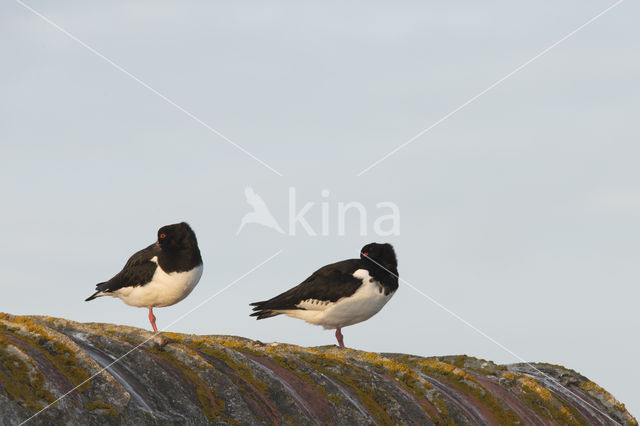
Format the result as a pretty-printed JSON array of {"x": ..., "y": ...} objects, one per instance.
[
  {"x": 328, "y": 284},
  {"x": 138, "y": 270}
]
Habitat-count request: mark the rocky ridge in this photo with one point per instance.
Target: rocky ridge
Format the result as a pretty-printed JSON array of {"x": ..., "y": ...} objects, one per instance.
[{"x": 178, "y": 378}]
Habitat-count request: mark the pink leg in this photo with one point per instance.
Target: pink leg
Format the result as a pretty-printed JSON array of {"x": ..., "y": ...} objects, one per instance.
[
  {"x": 339, "y": 337},
  {"x": 152, "y": 319}
]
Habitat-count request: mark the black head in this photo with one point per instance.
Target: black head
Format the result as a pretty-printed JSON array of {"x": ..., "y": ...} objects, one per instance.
[
  {"x": 382, "y": 254},
  {"x": 178, "y": 236}
]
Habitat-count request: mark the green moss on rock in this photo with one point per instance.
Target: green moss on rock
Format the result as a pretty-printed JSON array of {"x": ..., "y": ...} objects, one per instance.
[
  {"x": 469, "y": 385},
  {"x": 21, "y": 379},
  {"x": 210, "y": 403}
]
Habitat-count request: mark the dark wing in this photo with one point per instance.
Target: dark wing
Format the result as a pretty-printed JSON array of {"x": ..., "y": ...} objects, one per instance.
[
  {"x": 328, "y": 283},
  {"x": 138, "y": 270}
]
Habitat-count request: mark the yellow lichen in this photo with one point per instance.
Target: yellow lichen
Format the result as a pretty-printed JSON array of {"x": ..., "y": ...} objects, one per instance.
[
  {"x": 241, "y": 369},
  {"x": 210, "y": 403},
  {"x": 468, "y": 384},
  {"x": 57, "y": 352},
  {"x": 21, "y": 379},
  {"x": 591, "y": 387},
  {"x": 509, "y": 375},
  {"x": 103, "y": 408},
  {"x": 544, "y": 402},
  {"x": 353, "y": 378}
]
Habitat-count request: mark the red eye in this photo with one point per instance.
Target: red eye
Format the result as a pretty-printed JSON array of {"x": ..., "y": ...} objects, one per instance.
[
  {"x": 365, "y": 254},
  {"x": 163, "y": 235}
]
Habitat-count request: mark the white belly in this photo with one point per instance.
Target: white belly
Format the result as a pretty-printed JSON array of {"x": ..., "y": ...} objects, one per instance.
[
  {"x": 163, "y": 290},
  {"x": 360, "y": 306}
]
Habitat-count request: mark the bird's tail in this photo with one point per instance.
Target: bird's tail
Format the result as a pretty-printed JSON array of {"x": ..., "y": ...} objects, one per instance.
[
  {"x": 98, "y": 293},
  {"x": 261, "y": 311},
  {"x": 93, "y": 296}
]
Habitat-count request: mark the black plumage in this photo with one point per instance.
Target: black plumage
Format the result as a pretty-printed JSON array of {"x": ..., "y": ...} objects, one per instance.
[
  {"x": 175, "y": 251},
  {"x": 159, "y": 275},
  {"x": 336, "y": 281},
  {"x": 138, "y": 271}
]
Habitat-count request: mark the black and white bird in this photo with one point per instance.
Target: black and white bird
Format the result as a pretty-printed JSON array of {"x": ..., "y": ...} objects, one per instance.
[
  {"x": 160, "y": 275},
  {"x": 340, "y": 294}
]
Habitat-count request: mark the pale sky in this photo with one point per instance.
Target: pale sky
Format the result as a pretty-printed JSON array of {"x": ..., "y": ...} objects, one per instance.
[{"x": 520, "y": 213}]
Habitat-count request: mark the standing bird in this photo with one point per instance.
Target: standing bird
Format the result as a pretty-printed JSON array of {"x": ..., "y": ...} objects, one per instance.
[
  {"x": 160, "y": 275},
  {"x": 340, "y": 294}
]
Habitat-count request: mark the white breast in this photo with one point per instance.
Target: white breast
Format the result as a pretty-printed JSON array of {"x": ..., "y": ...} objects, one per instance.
[
  {"x": 360, "y": 306},
  {"x": 163, "y": 290}
]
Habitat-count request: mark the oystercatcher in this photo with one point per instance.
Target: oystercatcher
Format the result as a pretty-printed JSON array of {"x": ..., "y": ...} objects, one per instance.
[
  {"x": 160, "y": 275},
  {"x": 340, "y": 294}
]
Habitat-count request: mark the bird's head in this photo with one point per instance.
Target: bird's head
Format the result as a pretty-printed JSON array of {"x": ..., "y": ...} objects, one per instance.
[
  {"x": 382, "y": 254},
  {"x": 178, "y": 236}
]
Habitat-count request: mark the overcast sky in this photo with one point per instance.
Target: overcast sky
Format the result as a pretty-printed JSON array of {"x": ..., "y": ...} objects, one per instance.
[{"x": 519, "y": 213}]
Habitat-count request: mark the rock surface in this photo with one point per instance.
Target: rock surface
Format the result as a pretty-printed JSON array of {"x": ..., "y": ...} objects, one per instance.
[{"x": 176, "y": 378}]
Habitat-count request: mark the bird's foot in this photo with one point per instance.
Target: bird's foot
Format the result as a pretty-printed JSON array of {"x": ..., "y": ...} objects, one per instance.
[
  {"x": 152, "y": 320},
  {"x": 339, "y": 336}
]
